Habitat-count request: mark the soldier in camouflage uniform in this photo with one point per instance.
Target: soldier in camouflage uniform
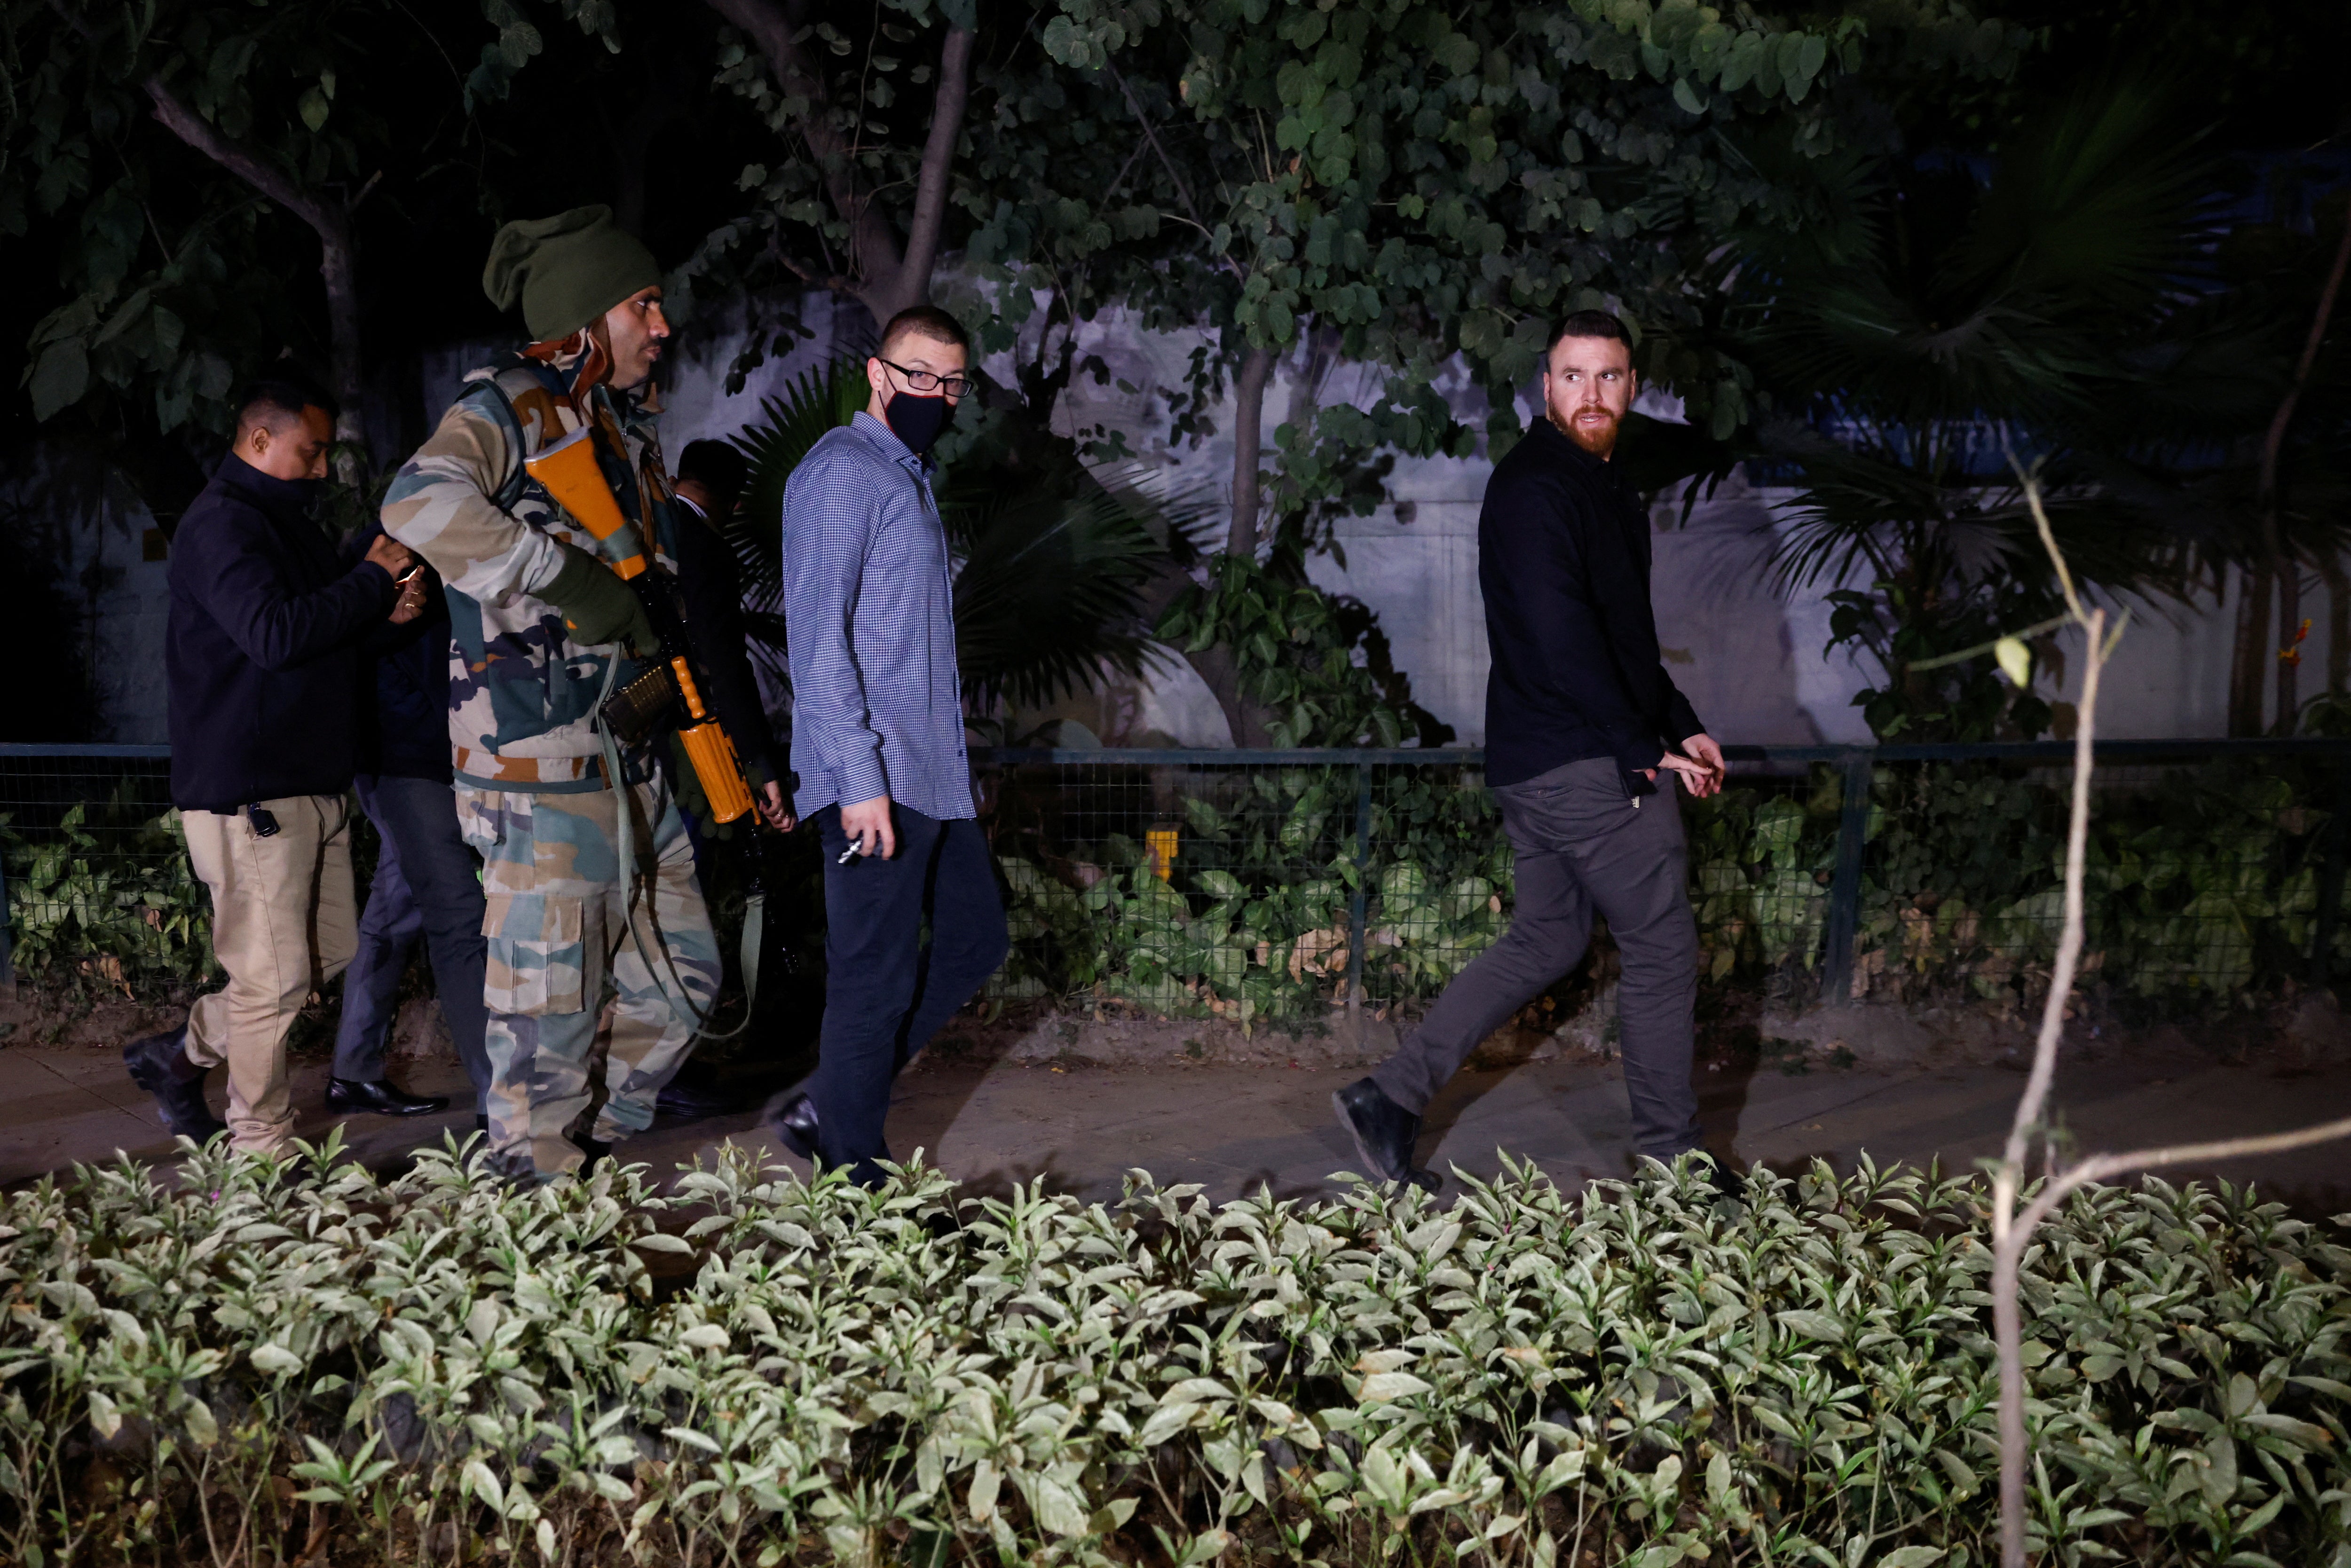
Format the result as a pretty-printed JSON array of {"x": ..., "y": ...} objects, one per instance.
[{"x": 540, "y": 621}]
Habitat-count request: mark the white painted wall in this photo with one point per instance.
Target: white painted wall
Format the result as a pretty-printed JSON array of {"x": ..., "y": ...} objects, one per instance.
[{"x": 1753, "y": 664}]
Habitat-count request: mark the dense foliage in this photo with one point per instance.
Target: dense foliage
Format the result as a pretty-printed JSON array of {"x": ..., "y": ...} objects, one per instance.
[
  {"x": 253, "y": 1369},
  {"x": 2204, "y": 884}
]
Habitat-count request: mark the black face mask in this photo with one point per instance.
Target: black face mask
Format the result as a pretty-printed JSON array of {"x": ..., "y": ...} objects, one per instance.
[{"x": 917, "y": 421}]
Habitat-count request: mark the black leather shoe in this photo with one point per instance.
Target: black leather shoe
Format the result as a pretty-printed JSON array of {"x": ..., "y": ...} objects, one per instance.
[
  {"x": 159, "y": 1064},
  {"x": 1728, "y": 1184},
  {"x": 792, "y": 1118},
  {"x": 381, "y": 1098},
  {"x": 1383, "y": 1132}
]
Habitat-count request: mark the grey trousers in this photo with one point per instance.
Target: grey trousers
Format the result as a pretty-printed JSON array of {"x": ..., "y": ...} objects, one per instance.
[{"x": 1582, "y": 848}]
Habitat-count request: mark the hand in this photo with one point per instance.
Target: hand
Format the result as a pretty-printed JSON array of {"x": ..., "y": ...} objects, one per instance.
[
  {"x": 1701, "y": 774},
  {"x": 1701, "y": 748},
  {"x": 410, "y": 603},
  {"x": 867, "y": 826},
  {"x": 774, "y": 810},
  {"x": 390, "y": 554}
]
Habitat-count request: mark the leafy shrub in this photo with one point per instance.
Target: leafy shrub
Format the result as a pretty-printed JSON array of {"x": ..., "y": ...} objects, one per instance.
[
  {"x": 107, "y": 900},
  {"x": 2204, "y": 885},
  {"x": 420, "y": 1368}
]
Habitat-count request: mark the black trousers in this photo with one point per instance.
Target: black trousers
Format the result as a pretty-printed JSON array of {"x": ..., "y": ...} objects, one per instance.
[
  {"x": 1582, "y": 846},
  {"x": 886, "y": 991}
]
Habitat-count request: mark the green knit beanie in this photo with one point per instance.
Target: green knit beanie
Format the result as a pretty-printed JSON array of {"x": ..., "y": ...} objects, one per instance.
[{"x": 567, "y": 270}]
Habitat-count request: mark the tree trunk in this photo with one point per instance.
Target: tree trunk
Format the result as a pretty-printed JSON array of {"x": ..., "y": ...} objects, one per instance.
[
  {"x": 2248, "y": 668},
  {"x": 885, "y": 277},
  {"x": 2289, "y": 648},
  {"x": 1215, "y": 665},
  {"x": 2282, "y": 554},
  {"x": 329, "y": 218},
  {"x": 1249, "y": 440},
  {"x": 339, "y": 266}
]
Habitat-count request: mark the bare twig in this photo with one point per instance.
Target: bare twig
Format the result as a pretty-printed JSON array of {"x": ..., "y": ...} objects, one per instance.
[
  {"x": 2012, "y": 1229},
  {"x": 1183, "y": 190}
]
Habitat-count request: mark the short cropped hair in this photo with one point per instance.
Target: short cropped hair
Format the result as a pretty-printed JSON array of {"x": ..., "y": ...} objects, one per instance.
[
  {"x": 716, "y": 466},
  {"x": 275, "y": 402},
  {"x": 1588, "y": 324},
  {"x": 926, "y": 321}
]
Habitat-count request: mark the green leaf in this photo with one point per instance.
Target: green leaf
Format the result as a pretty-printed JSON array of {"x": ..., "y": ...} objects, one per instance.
[
  {"x": 58, "y": 378},
  {"x": 312, "y": 106}
]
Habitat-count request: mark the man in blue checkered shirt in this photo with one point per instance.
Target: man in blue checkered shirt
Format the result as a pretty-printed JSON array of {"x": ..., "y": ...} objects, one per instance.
[{"x": 878, "y": 743}]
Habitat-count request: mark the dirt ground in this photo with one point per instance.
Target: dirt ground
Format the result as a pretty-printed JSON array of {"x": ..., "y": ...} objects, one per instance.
[{"x": 1077, "y": 1099}]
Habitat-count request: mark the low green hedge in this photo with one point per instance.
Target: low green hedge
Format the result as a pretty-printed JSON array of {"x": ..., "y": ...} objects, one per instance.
[{"x": 440, "y": 1368}]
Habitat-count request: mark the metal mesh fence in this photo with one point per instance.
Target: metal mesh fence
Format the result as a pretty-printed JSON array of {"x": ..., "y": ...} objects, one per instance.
[
  {"x": 1279, "y": 884},
  {"x": 2202, "y": 884},
  {"x": 99, "y": 893}
]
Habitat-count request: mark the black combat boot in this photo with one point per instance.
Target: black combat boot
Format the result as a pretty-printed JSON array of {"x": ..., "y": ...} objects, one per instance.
[
  {"x": 159, "y": 1064},
  {"x": 1383, "y": 1132}
]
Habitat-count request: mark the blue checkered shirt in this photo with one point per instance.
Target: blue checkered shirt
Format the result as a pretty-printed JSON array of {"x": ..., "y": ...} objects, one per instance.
[{"x": 869, "y": 606}]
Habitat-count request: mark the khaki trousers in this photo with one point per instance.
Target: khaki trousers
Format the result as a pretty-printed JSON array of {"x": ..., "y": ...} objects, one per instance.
[{"x": 285, "y": 922}]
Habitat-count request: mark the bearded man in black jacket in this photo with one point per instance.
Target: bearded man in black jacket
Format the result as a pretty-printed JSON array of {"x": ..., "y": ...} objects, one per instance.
[{"x": 1582, "y": 725}]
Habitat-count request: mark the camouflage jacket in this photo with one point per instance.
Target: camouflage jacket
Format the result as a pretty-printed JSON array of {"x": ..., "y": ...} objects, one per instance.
[{"x": 522, "y": 693}]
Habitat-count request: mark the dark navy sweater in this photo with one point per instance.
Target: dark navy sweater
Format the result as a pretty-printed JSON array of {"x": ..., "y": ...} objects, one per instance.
[
  {"x": 1564, "y": 561},
  {"x": 263, "y": 648},
  {"x": 405, "y": 691}
]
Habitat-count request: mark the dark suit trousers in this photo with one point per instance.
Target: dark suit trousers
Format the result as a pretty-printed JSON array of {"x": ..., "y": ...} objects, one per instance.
[
  {"x": 887, "y": 992},
  {"x": 1582, "y": 848}
]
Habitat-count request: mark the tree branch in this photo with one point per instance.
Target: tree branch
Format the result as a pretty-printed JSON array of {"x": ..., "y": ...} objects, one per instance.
[
  {"x": 248, "y": 166},
  {"x": 913, "y": 284},
  {"x": 887, "y": 277},
  {"x": 1183, "y": 191},
  {"x": 328, "y": 218}
]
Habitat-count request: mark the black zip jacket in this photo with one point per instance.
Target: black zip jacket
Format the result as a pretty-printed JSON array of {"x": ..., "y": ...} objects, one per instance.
[
  {"x": 1564, "y": 561},
  {"x": 262, "y": 654}
]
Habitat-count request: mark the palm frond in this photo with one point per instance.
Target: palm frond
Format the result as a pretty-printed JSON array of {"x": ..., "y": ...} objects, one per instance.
[
  {"x": 1050, "y": 593},
  {"x": 817, "y": 400},
  {"x": 1054, "y": 557}
]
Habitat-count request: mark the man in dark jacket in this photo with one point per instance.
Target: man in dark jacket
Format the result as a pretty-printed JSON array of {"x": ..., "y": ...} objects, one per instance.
[
  {"x": 1581, "y": 720},
  {"x": 261, "y": 657},
  {"x": 426, "y": 883}
]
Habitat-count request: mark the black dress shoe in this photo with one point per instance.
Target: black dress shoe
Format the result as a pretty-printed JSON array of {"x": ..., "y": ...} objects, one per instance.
[
  {"x": 1383, "y": 1132},
  {"x": 792, "y": 1118},
  {"x": 159, "y": 1064},
  {"x": 383, "y": 1098},
  {"x": 1728, "y": 1184}
]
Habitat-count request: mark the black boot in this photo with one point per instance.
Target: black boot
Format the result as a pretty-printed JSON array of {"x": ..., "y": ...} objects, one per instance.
[
  {"x": 159, "y": 1064},
  {"x": 1383, "y": 1132},
  {"x": 381, "y": 1098},
  {"x": 792, "y": 1118}
]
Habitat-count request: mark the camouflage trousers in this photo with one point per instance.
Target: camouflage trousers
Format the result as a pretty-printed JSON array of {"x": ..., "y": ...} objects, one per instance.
[{"x": 557, "y": 924}]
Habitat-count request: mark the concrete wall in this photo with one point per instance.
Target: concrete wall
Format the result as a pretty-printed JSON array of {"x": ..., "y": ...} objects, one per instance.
[
  {"x": 1752, "y": 662},
  {"x": 61, "y": 504}
]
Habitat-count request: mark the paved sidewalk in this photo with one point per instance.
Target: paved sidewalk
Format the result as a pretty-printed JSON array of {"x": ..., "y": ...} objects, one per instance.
[{"x": 1235, "y": 1127}]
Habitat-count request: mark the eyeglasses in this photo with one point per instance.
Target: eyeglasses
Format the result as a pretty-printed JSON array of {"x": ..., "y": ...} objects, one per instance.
[{"x": 923, "y": 381}]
